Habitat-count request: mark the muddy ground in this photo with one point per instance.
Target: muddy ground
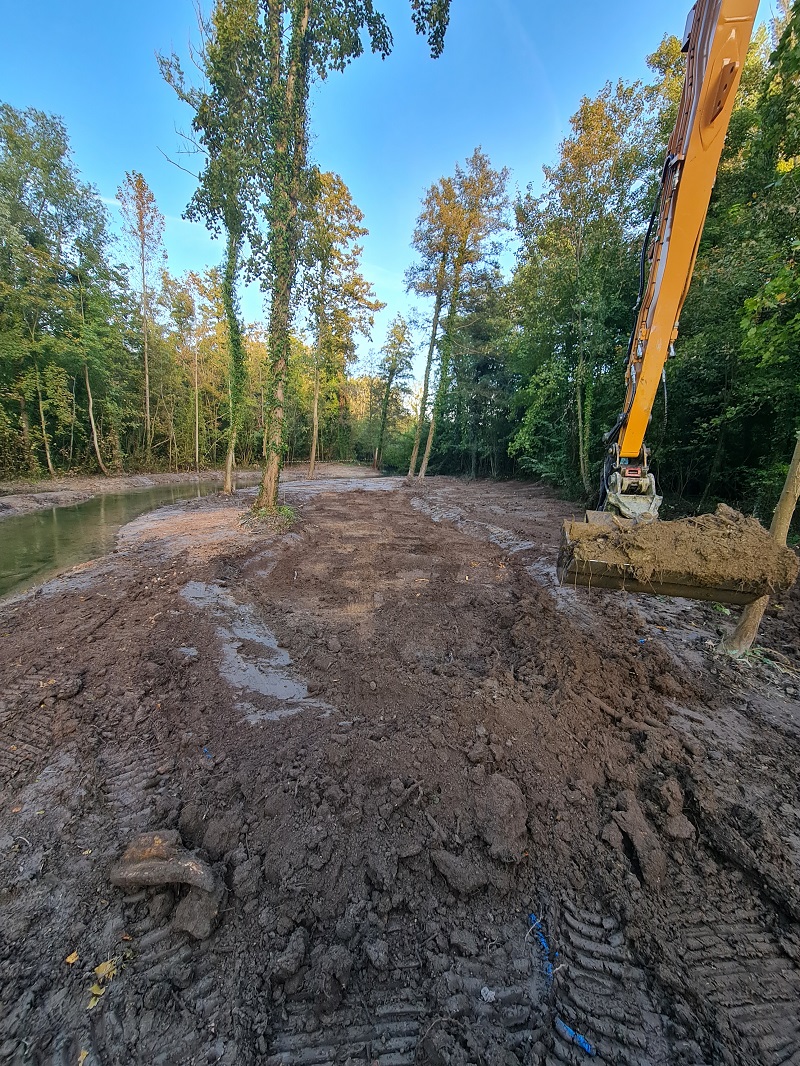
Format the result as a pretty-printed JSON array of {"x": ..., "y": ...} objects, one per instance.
[{"x": 439, "y": 810}]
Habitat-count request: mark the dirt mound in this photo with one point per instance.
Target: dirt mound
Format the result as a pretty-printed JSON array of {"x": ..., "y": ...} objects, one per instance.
[
  {"x": 441, "y": 815},
  {"x": 724, "y": 551}
]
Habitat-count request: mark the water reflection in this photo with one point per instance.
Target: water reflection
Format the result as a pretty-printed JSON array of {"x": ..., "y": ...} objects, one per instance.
[{"x": 37, "y": 545}]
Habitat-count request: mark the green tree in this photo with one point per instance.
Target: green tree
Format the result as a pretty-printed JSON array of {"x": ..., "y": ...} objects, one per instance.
[
  {"x": 144, "y": 227},
  {"x": 223, "y": 125},
  {"x": 340, "y": 301},
  {"x": 303, "y": 40},
  {"x": 394, "y": 372}
]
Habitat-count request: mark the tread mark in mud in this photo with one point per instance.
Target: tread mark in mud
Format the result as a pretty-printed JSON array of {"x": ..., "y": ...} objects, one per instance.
[
  {"x": 601, "y": 995},
  {"x": 27, "y": 727},
  {"x": 386, "y": 1034},
  {"x": 730, "y": 961},
  {"x": 130, "y": 781}
]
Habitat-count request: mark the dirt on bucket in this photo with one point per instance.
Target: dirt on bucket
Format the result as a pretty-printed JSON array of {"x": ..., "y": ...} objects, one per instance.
[{"x": 725, "y": 550}]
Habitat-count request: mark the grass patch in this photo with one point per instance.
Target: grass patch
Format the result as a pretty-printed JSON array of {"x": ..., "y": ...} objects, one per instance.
[{"x": 269, "y": 519}]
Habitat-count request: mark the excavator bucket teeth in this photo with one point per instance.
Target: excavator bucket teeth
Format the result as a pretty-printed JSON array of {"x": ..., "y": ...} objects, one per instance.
[{"x": 725, "y": 557}]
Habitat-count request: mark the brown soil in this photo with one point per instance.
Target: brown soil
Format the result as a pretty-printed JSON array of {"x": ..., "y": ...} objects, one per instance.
[
  {"x": 365, "y": 751},
  {"x": 721, "y": 550},
  {"x": 22, "y": 497}
]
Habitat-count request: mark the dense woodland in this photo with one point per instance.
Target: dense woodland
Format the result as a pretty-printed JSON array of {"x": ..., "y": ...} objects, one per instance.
[{"x": 108, "y": 362}]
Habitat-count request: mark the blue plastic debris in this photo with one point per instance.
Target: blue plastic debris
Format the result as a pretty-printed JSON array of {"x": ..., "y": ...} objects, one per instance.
[
  {"x": 547, "y": 964},
  {"x": 575, "y": 1038},
  {"x": 207, "y": 753}
]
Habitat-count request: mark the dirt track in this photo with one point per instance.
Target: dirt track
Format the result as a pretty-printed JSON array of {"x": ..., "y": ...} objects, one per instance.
[{"x": 392, "y": 740}]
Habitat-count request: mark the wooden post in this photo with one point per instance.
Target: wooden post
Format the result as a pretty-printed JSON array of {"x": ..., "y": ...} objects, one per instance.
[{"x": 742, "y": 638}]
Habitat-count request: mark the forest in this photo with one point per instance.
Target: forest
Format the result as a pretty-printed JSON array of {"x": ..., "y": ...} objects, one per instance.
[{"x": 108, "y": 362}]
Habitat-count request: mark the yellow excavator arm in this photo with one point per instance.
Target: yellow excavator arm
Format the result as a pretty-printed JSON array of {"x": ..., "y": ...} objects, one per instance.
[
  {"x": 716, "y": 40},
  {"x": 725, "y": 556}
]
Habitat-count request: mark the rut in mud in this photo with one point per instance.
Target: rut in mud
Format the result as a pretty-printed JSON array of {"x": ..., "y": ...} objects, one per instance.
[{"x": 455, "y": 815}]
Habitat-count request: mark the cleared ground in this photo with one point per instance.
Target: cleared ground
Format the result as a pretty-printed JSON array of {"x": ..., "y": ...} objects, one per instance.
[{"x": 392, "y": 740}]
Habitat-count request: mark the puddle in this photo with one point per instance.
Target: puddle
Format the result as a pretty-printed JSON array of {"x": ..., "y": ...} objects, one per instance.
[{"x": 252, "y": 662}]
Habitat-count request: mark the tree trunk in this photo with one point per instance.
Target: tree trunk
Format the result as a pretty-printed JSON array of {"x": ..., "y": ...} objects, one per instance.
[
  {"x": 412, "y": 466},
  {"x": 279, "y": 345},
  {"x": 196, "y": 415},
  {"x": 95, "y": 442},
  {"x": 741, "y": 639},
  {"x": 72, "y": 425},
  {"x": 25, "y": 424},
  {"x": 315, "y": 424},
  {"x": 230, "y": 460},
  {"x": 268, "y": 495},
  {"x": 384, "y": 416},
  {"x": 444, "y": 368},
  {"x": 45, "y": 438},
  {"x": 148, "y": 430}
]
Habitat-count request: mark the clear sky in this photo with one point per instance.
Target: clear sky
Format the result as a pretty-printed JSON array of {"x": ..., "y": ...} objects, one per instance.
[{"x": 512, "y": 73}]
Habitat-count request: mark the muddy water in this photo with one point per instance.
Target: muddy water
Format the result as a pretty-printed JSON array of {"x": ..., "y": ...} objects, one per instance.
[{"x": 37, "y": 545}]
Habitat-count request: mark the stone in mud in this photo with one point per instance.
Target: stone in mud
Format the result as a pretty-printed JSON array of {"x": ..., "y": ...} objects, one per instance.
[
  {"x": 500, "y": 817},
  {"x": 459, "y": 872},
  {"x": 289, "y": 961},
  {"x": 631, "y": 820},
  {"x": 198, "y": 913},
  {"x": 161, "y": 859}
]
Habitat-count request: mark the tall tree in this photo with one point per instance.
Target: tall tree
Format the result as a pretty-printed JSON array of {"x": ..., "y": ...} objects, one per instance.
[
  {"x": 144, "y": 227},
  {"x": 477, "y": 214},
  {"x": 303, "y": 40},
  {"x": 395, "y": 369},
  {"x": 341, "y": 302},
  {"x": 223, "y": 125}
]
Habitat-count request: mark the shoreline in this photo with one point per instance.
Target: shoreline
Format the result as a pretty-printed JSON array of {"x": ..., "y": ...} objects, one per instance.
[{"x": 24, "y": 497}]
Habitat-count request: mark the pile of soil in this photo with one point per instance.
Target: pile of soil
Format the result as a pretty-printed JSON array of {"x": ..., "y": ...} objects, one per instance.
[
  {"x": 724, "y": 550},
  {"x": 376, "y": 790}
]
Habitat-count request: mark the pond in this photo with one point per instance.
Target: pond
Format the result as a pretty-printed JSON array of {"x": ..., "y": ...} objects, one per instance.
[{"x": 38, "y": 545}]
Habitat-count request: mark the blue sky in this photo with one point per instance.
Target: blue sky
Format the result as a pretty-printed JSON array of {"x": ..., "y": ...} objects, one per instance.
[{"x": 511, "y": 75}]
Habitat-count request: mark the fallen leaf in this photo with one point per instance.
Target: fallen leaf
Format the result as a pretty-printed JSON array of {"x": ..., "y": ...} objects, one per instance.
[
  {"x": 16, "y": 810},
  {"x": 72, "y": 958},
  {"x": 88, "y": 851},
  {"x": 93, "y": 1002},
  {"x": 126, "y": 936},
  {"x": 106, "y": 970},
  {"x": 84, "y": 1055},
  {"x": 97, "y": 990}
]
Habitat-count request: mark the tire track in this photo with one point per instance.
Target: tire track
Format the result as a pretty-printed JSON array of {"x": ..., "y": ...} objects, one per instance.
[
  {"x": 729, "y": 959},
  {"x": 602, "y": 1006}
]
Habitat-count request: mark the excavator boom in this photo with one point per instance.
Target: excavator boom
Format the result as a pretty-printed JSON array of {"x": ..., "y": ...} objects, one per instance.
[{"x": 623, "y": 546}]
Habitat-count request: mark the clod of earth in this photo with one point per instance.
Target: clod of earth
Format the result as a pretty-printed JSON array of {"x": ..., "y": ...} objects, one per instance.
[
  {"x": 289, "y": 961},
  {"x": 161, "y": 859},
  {"x": 198, "y": 913},
  {"x": 634, "y": 825},
  {"x": 500, "y": 817},
  {"x": 461, "y": 873}
]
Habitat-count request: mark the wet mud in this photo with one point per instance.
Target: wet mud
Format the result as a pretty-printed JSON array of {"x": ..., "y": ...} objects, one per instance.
[{"x": 377, "y": 789}]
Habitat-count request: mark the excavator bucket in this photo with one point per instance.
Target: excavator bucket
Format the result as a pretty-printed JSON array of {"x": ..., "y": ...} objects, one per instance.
[{"x": 726, "y": 556}]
